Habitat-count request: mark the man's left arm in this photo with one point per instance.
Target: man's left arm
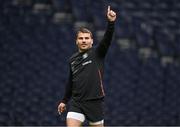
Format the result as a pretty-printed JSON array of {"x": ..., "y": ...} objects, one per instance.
[{"x": 105, "y": 43}]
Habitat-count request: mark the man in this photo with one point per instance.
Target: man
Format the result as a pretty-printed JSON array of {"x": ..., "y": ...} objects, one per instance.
[{"x": 85, "y": 85}]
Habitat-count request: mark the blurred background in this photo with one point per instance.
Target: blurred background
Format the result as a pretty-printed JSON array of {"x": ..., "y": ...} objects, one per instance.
[{"x": 142, "y": 71}]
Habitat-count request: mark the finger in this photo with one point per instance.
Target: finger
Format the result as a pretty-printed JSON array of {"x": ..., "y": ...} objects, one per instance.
[
  {"x": 62, "y": 109},
  {"x": 112, "y": 13},
  {"x": 58, "y": 108},
  {"x": 109, "y": 8},
  {"x": 59, "y": 111}
]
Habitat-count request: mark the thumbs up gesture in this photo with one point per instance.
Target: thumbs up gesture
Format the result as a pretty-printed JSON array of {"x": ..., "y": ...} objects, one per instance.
[{"x": 111, "y": 15}]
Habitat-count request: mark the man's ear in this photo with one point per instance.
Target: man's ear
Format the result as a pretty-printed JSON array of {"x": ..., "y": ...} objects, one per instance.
[
  {"x": 76, "y": 42},
  {"x": 92, "y": 41}
]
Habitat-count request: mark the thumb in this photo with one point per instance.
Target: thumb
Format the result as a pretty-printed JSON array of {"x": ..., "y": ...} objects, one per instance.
[{"x": 109, "y": 8}]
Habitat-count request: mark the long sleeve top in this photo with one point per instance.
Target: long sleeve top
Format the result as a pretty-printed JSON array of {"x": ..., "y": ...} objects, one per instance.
[{"x": 86, "y": 71}]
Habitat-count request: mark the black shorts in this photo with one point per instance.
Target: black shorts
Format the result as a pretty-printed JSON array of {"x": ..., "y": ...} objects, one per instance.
[{"x": 92, "y": 109}]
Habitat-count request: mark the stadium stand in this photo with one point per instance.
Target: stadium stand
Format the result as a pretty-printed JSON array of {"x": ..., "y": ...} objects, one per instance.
[{"x": 142, "y": 69}]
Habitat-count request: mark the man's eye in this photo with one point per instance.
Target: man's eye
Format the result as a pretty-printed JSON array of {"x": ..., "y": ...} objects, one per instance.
[{"x": 86, "y": 37}]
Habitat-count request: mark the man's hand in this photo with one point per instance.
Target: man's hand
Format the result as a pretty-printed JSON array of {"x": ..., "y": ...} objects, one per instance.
[
  {"x": 61, "y": 108},
  {"x": 111, "y": 15}
]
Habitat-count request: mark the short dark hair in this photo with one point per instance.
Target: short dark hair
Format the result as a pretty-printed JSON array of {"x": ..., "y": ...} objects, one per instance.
[{"x": 84, "y": 30}]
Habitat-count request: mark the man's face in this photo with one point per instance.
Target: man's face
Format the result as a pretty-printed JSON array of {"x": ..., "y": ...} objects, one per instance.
[{"x": 84, "y": 41}]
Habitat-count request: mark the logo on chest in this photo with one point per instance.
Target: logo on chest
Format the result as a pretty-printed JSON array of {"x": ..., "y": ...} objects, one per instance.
[{"x": 85, "y": 56}]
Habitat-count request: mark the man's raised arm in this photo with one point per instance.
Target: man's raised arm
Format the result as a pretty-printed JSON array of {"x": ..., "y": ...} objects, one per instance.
[{"x": 105, "y": 42}]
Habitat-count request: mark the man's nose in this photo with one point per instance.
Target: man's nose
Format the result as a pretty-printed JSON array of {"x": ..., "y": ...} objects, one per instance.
[{"x": 83, "y": 41}]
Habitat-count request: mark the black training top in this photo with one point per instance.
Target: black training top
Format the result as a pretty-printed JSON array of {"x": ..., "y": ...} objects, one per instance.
[{"x": 86, "y": 71}]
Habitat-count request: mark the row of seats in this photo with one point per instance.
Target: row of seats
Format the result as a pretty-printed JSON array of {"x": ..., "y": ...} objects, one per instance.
[{"x": 141, "y": 71}]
